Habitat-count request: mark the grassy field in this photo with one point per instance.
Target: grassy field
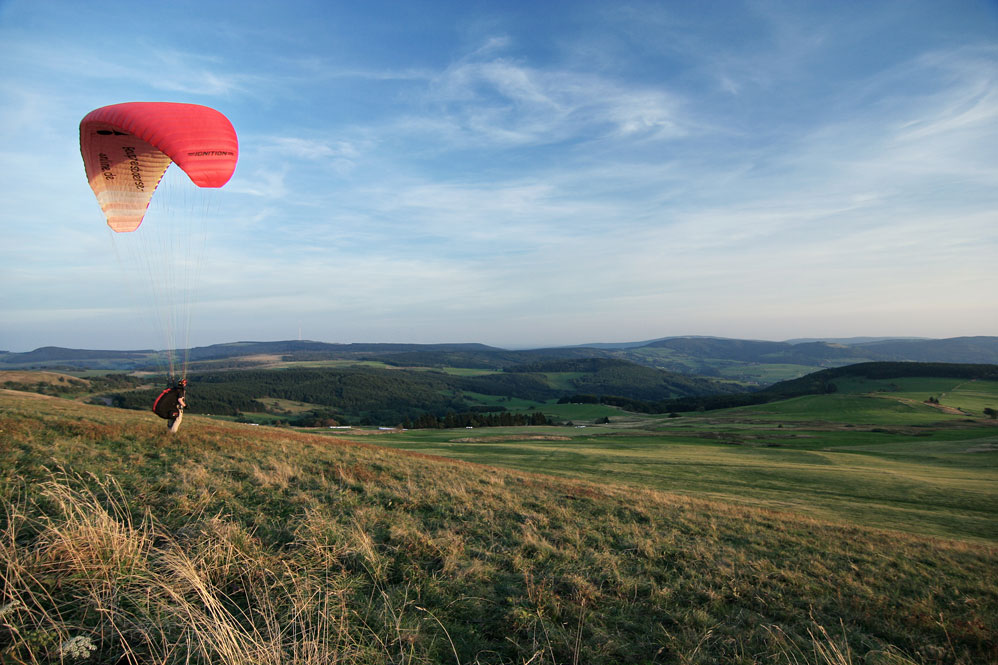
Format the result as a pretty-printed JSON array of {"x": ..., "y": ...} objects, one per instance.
[
  {"x": 925, "y": 484},
  {"x": 236, "y": 544},
  {"x": 882, "y": 459}
]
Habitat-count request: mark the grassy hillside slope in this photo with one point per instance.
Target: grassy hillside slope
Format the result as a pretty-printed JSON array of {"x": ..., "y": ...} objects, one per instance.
[
  {"x": 237, "y": 544},
  {"x": 876, "y": 452}
]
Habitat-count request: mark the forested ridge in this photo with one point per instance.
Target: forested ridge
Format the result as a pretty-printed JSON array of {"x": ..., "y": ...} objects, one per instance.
[{"x": 367, "y": 395}]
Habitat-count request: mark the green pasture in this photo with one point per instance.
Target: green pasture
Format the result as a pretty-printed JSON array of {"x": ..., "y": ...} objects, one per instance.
[
  {"x": 585, "y": 414},
  {"x": 917, "y": 386},
  {"x": 563, "y": 380},
  {"x": 886, "y": 401},
  {"x": 970, "y": 396},
  {"x": 512, "y": 404},
  {"x": 286, "y": 405},
  {"x": 851, "y": 409},
  {"x": 758, "y": 373},
  {"x": 468, "y": 371}
]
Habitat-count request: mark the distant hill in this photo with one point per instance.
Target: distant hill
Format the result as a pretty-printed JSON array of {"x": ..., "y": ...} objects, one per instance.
[
  {"x": 316, "y": 350},
  {"x": 758, "y": 352},
  {"x": 850, "y": 340},
  {"x": 957, "y": 349},
  {"x": 953, "y": 350},
  {"x": 50, "y": 353},
  {"x": 55, "y": 356},
  {"x": 764, "y": 363},
  {"x": 751, "y": 362}
]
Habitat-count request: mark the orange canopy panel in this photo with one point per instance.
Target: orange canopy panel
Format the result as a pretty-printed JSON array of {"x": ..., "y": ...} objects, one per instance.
[{"x": 128, "y": 147}]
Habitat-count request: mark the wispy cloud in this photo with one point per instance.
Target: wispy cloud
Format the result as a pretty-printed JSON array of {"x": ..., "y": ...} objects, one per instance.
[
  {"x": 293, "y": 147},
  {"x": 505, "y": 101},
  {"x": 157, "y": 68}
]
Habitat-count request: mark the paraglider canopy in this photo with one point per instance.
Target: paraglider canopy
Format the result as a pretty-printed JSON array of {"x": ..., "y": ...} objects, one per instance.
[{"x": 128, "y": 147}]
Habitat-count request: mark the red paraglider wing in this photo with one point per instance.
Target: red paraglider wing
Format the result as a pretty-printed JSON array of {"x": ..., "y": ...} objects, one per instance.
[{"x": 128, "y": 147}]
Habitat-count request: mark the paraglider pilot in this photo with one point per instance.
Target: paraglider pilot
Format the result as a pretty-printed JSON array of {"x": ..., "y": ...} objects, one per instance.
[{"x": 170, "y": 405}]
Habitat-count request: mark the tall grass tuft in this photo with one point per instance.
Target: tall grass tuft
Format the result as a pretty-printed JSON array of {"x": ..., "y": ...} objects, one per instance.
[{"x": 86, "y": 576}]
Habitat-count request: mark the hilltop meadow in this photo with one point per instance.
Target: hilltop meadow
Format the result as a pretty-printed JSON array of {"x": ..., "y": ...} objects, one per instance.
[{"x": 233, "y": 543}]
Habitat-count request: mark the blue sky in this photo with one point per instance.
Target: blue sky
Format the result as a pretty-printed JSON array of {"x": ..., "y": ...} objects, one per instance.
[{"x": 522, "y": 174}]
